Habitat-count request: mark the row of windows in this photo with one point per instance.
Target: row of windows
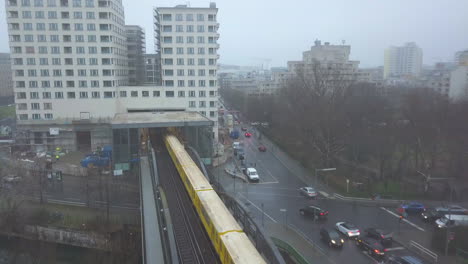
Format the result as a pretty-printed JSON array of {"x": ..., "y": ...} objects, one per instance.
[
  {"x": 122, "y": 94},
  {"x": 188, "y": 28},
  {"x": 65, "y": 50},
  {"x": 190, "y": 61},
  {"x": 56, "y": 27},
  {"x": 47, "y": 116},
  {"x": 188, "y": 17},
  {"x": 54, "y": 15},
  {"x": 34, "y": 106},
  {"x": 65, "y": 38},
  {"x": 58, "y": 72},
  {"x": 60, "y": 84},
  {"x": 190, "y": 83},
  {"x": 53, "y": 3},
  {"x": 190, "y": 72},
  {"x": 188, "y": 39},
  {"x": 69, "y": 61},
  {"x": 190, "y": 51}
]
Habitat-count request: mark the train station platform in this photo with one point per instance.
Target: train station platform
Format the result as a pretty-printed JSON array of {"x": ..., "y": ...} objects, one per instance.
[{"x": 152, "y": 244}]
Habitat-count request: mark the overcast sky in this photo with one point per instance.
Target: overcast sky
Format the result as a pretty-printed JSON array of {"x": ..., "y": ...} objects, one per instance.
[{"x": 281, "y": 30}]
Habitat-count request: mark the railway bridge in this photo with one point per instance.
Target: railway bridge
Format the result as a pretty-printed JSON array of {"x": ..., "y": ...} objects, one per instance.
[{"x": 183, "y": 218}]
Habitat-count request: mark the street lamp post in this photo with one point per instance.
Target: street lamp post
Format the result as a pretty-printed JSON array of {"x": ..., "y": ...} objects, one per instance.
[{"x": 325, "y": 169}]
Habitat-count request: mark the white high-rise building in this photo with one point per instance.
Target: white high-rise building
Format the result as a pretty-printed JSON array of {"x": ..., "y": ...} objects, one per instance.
[
  {"x": 404, "y": 61},
  {"x": 63, "y": 51},
  {"x": 187, "y": 39},
  {"x": 70, "y": 68}
]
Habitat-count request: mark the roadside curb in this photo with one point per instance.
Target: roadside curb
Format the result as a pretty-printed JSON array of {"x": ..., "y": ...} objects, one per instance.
[
  {"x": 235, "y": 175},
  {"x": 367, "y": 200}
]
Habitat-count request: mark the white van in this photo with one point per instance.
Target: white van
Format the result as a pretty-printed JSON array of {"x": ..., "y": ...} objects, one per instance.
[
  {"x": 236, "y": 145},
  {"x": 452, "y": 220},
  {"x": 252, "y": 174}
]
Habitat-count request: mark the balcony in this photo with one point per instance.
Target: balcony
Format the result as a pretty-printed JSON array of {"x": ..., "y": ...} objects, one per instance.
[
  {"x": 13, "y": 14},
  {"x": 12, "y": 3}
]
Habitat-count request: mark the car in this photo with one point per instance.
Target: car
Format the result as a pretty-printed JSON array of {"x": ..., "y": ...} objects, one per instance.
[
  {"x": 247, "y": 134},
  {"x": 413, "y": 207},
  {"x": 314, "y": 211},
  {"x": 252, "y": 174},
  {"x": 372, "y": 246},
  {"x": 386, "y": 238},
  {"x": 261, "y": 148},
  {"x": 403, "y": 260},
  {"x": 431, "y": 214},
  {"x": 244, "y": 129},
  {"x": 308, "y": 192},
  {"x": 331, "y": 237},
  {"x": 348, "y": 229}
]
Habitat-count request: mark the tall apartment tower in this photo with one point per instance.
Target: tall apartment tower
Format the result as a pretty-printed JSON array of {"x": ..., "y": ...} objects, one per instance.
[
  {"x": 186, "y": 38},
  {"x": 405, "y": 61},
  {"x": 136, "y": 49},
  {"x": 64, "y": 51},
  {"x": 6, "y": 82}
]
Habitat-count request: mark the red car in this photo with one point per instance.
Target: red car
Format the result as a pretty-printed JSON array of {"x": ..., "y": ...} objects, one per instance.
[
  {"x": 262, "y": 148},
  {"x": 247, "y": 134}
]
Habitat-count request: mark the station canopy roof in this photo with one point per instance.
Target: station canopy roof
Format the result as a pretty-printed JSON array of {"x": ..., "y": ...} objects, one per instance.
[{"x": 159, "y": 119}]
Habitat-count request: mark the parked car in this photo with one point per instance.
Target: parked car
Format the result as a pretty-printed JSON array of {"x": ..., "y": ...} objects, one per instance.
[
  {"x": 314, "y": 211},
  {"x": 244, "y": 129},
  {"x": 247, "y": 134},
  {"x": 413, "y": 207},
  {"x": 308, "y": 192},
  {"x": 372, "y": 246},
  {"x": 403, "y": 260},
  {"x": 386, "y": 238},
  {"x": 331, "y": 237},
  {"x": 348, "y": 229},
  {"x": 261, "y": 148}
]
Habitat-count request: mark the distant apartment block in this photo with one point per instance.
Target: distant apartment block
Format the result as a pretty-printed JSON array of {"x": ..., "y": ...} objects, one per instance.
[
  {"x": 6, "y": 81},
  {"x": 403, "y": 62},
  {"x": 136, "y": 51},
  {"x": 459, "y": 77}
]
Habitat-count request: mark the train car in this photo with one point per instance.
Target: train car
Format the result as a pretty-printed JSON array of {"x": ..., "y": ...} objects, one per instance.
[{"x": 226, "y": 235}]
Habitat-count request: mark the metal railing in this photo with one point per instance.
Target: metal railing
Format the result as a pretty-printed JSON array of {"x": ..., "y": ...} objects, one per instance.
[{"x": 292, "y": 252}]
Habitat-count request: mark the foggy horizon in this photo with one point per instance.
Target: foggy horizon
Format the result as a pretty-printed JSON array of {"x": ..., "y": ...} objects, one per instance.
[{"x": 282, "y": 33}]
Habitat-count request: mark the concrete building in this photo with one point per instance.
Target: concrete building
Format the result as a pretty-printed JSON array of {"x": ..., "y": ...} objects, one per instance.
[
  {"x": 152, "y": 69},
  {"x": 6, "y": 81},
  {"x": 136, "y": 51},
  {"x": 330, "y": 62},
  {"x": 403, "y": 62},
  {"x": 70, "y": 68},
  {"x": 188, "y": 44},
  {"x": 459, "y": 78}
]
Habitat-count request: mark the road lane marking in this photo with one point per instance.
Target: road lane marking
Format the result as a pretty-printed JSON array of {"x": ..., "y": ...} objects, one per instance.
[
  {"x": 405, "y": 220},
  {"x": 266, "y": 182},
  {"x": 250, "y": 144},
  {"x": 395, "y": 248},
  {"x": 258, "y": 208}
]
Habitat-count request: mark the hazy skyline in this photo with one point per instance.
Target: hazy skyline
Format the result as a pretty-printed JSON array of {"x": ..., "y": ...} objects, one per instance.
[{"x": 281, "y": 30}]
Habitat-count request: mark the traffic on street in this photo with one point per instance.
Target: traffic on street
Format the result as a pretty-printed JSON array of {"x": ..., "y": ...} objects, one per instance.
[{"x": 367, "y": 233}]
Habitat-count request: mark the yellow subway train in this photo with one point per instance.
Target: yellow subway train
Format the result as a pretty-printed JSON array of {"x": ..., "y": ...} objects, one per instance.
[{"x": 226, "y": 235}]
